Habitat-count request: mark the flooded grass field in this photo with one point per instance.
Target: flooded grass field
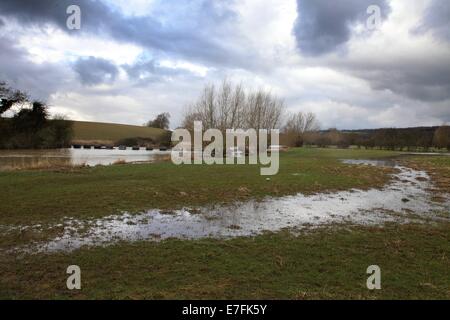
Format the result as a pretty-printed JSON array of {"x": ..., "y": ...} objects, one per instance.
[
  {"x": 406, "y": 199},
  {"x": 319, "y": 223}
]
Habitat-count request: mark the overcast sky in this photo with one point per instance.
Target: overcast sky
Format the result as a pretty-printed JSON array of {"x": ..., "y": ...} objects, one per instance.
[{"x": 133, "y": 59}]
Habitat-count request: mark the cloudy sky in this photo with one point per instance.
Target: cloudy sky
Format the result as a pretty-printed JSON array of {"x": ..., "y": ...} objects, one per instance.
[{"x": 133, "y": 59}]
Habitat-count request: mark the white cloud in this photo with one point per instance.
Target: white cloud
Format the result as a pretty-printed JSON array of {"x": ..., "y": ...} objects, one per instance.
[
  {"x": 391, "y": 77},
  {"x": 50, "y": 44}
]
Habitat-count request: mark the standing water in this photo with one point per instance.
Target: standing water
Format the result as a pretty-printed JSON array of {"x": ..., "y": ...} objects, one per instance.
[
  {"x": 405, "y": 198},
  {"x": 90, "y": 157}
]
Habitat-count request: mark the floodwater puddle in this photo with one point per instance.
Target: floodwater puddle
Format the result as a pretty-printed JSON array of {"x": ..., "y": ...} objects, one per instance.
[{"x": 406, "y": 198}]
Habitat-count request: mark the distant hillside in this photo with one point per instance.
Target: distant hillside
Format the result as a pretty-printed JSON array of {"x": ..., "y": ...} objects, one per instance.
[
  {"x": 414, "y": 138},
  {"x": 98, "y": 131},
  {"x": 426, "y": 130},
  {"x": 371, "y": 131}
]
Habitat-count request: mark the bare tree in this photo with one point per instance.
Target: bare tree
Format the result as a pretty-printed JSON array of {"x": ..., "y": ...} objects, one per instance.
[
  {"x": 237, "y": 107},
  {"x": 441, "y": 137},
  {"x": 299, "y": 124},
  {"x": 9, "y": 97},
  {"x": 302, "y": 122},
  {"x": 161, "y": 121},
  {"x": 189, "y": 118},
  {"x": 230, "y": 106}
]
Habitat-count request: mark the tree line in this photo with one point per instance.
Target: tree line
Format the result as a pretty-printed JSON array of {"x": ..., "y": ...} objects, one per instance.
[
  {"x": 222, "y": 107},
  {"x": 29, "y": 125},
  {"x": 229, "y": 106},
  {"x": 409, "y": 139}
]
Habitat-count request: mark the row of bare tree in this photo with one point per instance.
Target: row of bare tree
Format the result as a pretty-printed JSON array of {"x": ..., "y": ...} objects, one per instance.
[{"x": 230, "y": 106}]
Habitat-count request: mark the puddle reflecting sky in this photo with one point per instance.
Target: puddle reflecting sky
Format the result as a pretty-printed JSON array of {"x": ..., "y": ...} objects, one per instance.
[{"x": 407, "y": 194}]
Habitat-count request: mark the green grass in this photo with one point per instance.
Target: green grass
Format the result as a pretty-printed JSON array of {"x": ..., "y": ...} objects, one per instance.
[
  {"x": 46, "y": 196},
  {"x": 90, "y": 131},
  {"x": 323, "y": 264}
]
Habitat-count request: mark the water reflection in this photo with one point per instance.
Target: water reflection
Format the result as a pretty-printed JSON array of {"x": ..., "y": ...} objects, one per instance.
[
  {"x": 379, "y": 163},
  {"x": 406, "y": 197},
  {"x": 11, "y": 159}
]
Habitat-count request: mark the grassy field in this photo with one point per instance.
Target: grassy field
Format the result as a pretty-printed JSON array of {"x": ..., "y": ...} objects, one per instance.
[
  {"x": 326, "y": 263},
  {"x": 41, "y": 196},
  {"x": 110, "y": 132}
]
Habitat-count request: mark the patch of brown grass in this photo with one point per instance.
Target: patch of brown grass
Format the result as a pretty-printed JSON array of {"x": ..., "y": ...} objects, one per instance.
[
  {"x": 119, "y": 161},
  {"x": 437, "y": 167},
  {"x": 93, "y": 142},
  {"x": 46, "y": 165}
]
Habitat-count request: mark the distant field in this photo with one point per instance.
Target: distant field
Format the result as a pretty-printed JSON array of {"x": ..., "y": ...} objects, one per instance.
[{"x": 98, "y": 131}]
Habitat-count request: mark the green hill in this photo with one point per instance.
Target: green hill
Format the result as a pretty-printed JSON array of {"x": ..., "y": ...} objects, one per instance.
[{"x": 109, "y": 132}]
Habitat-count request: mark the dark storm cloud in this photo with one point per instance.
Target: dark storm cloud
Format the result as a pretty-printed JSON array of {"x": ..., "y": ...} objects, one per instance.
[
  {"x": 94, "y": 71},
  {"x": 144, "y": 72},
  {"x": 428, "y": 85},
  {"x": 437, "y": 19},
  {"x": 44, "y": 11},
  {"x": 149, "y": 71},
  {"x": 193, "y": 29},
  {"x": 421, "y": 79},
  {"x": 322, "y": 25}
]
